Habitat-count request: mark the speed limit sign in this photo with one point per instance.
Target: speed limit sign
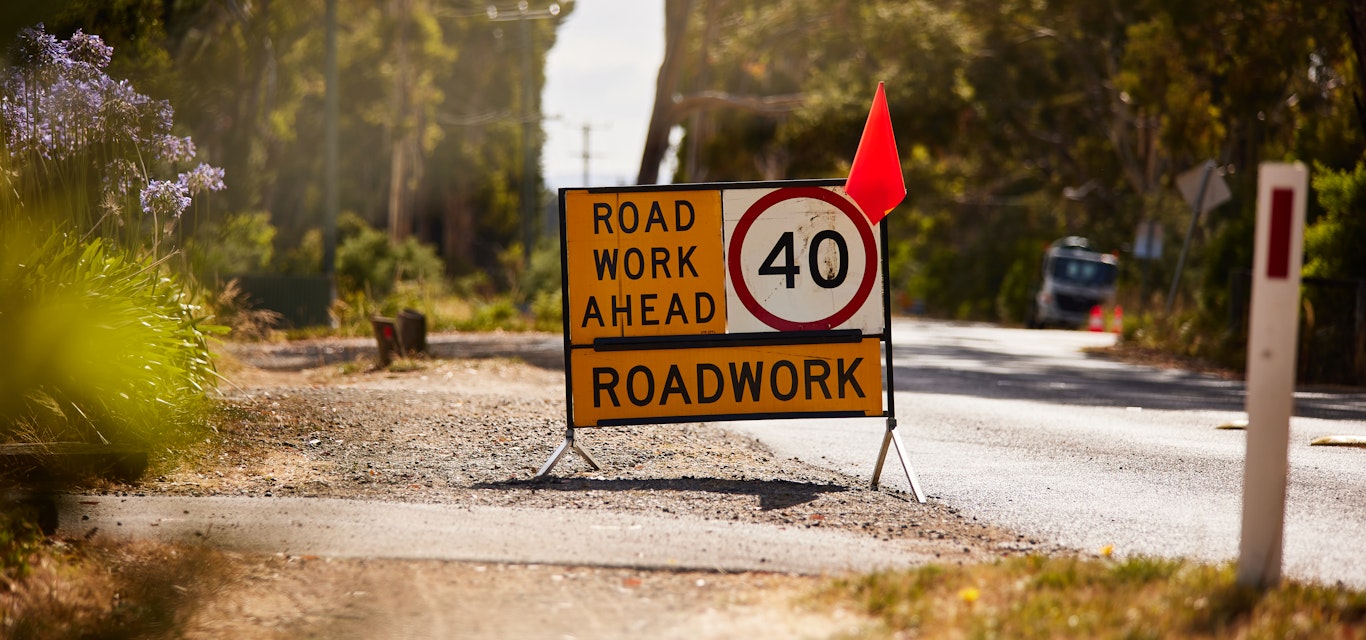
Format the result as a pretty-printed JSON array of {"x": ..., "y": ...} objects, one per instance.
[{"x": 800, "y": 259}]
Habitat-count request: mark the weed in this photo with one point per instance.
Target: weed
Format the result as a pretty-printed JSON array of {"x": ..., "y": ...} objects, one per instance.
[
  {"x": 404, "y": 365},
  {"x": 19, "y": 539},
  {"x": 112, "y": 348},
  {"x": 353, "y": 367},
  {"x": 103, "y": 589},
  {"x": 496, "y": 314},
  {"x": 233, "y": 308},
  {"x": 1068, "y": 597}
]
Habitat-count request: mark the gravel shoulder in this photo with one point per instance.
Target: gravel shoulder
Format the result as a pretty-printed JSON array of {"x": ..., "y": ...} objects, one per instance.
[{"x": 468, "y": 431}]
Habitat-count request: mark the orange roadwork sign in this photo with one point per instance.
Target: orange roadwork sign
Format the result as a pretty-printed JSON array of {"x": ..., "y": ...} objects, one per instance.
[
  {"x": 638, "y": 385},
  {"x": 644, "y": 264},
  {"x": 721, "y": 302}
]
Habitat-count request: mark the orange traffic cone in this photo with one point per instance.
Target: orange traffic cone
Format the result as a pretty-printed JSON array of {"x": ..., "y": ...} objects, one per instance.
[
  {"x": 1097, "y": 322},
  {"x": 1117, "y": 320}
]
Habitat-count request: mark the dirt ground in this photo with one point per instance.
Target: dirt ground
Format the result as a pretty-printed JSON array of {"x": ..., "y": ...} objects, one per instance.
[
  {"x": 473, "y": 431},
  {"x": 322, "y": 598}
]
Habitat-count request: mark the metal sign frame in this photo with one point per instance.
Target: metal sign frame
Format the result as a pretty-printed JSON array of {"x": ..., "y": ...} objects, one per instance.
[{"x": 891, "y": 439}]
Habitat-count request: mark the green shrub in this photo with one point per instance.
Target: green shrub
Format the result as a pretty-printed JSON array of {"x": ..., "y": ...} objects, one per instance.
[
  {"x": 241, "y": 243},
  {"x": 364, "y": 263},
  {"x": 1017, "y": 289},
  {"x": 547, "y": 311},
  {"x": 1188, "y": 334},
  {"x": 103, "y": 346},
  {"x": 306, "y": 257},
  {"x": 367, "y": 261},
  {"x": 19, "y": 539},
  {"x": 542, "y": 275},
  {"x": 495, "y": 314},
  {"x": 1332, "y": 244}
]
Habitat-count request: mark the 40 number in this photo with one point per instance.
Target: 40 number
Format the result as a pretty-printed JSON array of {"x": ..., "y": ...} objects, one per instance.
[{"x": 781, "y": 261}]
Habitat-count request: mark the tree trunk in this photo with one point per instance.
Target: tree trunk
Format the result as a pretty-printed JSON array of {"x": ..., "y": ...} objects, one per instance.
[
  {"x": 400, "y": 211},
  {"x": 458, "y": 230},
  {"x": 1356, "y": 29},
  {"x": 692, "y": 170},
  {"x": 676, "y": 14}
]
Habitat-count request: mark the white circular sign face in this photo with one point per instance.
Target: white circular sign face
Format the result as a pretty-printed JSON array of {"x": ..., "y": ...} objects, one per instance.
[{"x": 800, "y": 259}]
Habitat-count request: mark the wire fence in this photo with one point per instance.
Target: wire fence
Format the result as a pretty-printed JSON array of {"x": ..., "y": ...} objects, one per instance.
[{"x": 1332, "y": 345}]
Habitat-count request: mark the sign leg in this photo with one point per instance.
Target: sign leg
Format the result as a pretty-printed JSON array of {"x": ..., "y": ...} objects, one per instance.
[
  {"x": 893, "y": 439},
  {"x": 583, "y": 453},
  {"x": 881, "y": 458},
  {"x": 569, "y": 444}
]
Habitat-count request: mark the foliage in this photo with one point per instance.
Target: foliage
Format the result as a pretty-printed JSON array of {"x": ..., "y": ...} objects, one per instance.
[
  {"x": 106, "y": 348},
  {"x": 303, "y": 257},
  {"x": 1333, "y": 242},
  {"x": 106, "y": 345},
  {"x": 542, "y": 275},
  {"x": 377, "y": 276},
  {"x": 547, "y": 311},
  {"x": 89, "y": 150},
  {"x": 1019, "y": 123},
  {"x": 443, "y": 312},
  {"x": 1067, "y": 597},
  {"x": 1203, "y": 339},
  {"x": 368, "y": 261},
  {"x": 430, "y": 125},
  {"x": 495, "y": 314},
  {"x": 19, "y": 540},
  {"x": 543, "y": 269},
  {"x": 239, "y": 243}
]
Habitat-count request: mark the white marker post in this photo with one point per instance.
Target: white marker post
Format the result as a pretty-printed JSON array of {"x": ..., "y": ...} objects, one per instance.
[{"x": 1273, "y": 328}]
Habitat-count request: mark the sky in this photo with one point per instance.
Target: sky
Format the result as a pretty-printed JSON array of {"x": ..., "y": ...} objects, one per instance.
[{"x": 601, "y": 73}]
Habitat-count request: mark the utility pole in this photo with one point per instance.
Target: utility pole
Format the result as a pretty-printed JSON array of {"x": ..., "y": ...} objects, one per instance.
[
  {"x": 587, "y": 130},
  {"x": 587, "y": 153},
  {"x": 529, "y": 126},
  {"x": 331, "y": 199},
  {"x": 530, "y": 116}
]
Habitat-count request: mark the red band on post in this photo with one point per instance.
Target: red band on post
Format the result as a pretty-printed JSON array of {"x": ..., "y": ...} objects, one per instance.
[{"x": 1278, "y": 240}]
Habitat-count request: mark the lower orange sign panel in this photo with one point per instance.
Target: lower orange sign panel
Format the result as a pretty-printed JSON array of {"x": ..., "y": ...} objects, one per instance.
[{"x": 640, "y": 385}]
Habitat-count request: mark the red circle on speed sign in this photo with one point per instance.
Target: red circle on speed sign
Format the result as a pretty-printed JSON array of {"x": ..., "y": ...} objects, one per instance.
[{"x": 764, "y": 204}]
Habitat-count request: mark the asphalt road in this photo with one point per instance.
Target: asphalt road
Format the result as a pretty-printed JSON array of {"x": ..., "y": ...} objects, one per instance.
[{"x": 1023, "y": 429}]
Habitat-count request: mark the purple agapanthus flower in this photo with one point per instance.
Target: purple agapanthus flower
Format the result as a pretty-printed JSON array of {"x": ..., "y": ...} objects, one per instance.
[
  {"x": 175, "y": 150},
  {"x": 89, "y": 49},
  {"x": 35, "y": 47},
  {"x": 58, "y": 105},
  {"x": 165, "y": 198},
  {"x": 60, "y": 102},
  {"x": 203, "y": 178}
]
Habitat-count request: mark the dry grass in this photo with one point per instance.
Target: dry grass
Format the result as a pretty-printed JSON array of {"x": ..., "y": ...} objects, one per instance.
[
  {"x": 233, "y": 309},
  {"x": 103, "y": 589},
  {"x": 1068, "y": 597}
]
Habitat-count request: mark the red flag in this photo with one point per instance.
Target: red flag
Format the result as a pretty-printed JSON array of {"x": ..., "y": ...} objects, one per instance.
[{"x": 875, "y": 182}]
